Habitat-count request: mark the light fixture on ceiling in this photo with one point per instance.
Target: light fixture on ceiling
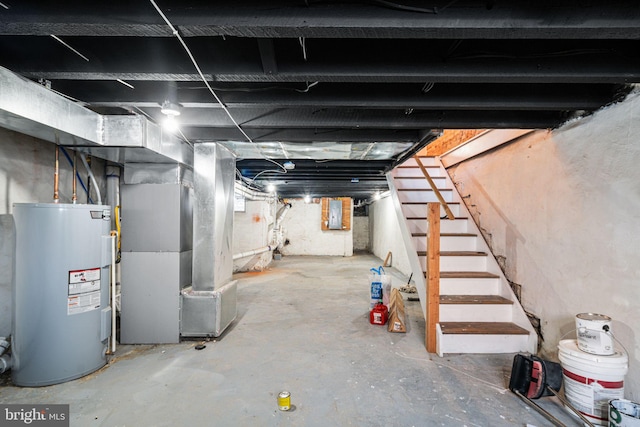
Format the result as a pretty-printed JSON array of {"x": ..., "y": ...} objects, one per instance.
[
  {"x": 170, "y": 124},
  {"x": 376, "y": 195},
  {"x": 307, "y": 199},
  {"x": 289, "y": 165},
  {"x": 170, "y": 109},
  {"x": 271, "y": 188}
]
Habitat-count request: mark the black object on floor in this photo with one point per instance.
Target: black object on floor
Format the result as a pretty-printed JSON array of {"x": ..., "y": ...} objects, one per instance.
[{"x": 532, "y": 378}]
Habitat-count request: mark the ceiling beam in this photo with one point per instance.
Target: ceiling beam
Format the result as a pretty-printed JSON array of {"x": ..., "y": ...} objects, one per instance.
[
  {"x": 320, "y": 118},
  {"x": 493, "y": 20},
  {"x": 569, "y": 70}
]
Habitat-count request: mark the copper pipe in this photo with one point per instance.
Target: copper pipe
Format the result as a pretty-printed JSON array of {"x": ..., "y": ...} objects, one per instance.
[
  {"x": 74, "y": 197},
  {"x": 56, "y": 177}
]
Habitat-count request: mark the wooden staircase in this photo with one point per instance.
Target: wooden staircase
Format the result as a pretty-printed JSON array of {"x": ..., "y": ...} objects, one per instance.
[{"x": 478, "y": 310}]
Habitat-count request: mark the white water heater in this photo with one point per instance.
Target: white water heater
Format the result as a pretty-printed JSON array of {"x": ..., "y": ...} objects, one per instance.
[{"x": 61, "y": 313}]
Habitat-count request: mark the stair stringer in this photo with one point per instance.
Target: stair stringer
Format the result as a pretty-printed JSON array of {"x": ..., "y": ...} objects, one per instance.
[
  {"x": 414, "y": 261},
  {"x": 519, "y": 317}
]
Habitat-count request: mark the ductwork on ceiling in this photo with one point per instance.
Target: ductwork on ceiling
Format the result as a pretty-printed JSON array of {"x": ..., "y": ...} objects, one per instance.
[{"x": 34, "y": 110}]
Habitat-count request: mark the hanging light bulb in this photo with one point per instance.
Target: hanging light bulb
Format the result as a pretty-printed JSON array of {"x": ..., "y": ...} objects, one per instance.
[
  {"x": 307, "y": 199},
  {"x": 271, "y": 188},
  {"x": 170, "y": 109}
]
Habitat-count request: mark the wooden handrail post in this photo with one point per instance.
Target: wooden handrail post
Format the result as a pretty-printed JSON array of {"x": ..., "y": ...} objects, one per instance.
[
  {"x": 432, "y": 316},
  {"x": 434, "y": 188}
]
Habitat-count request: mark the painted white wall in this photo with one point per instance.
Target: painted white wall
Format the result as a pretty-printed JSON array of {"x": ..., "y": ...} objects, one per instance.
[
  {"x": 302, "y": 228},
  {"x": 26, "y": 176},
  {"x": 361, "y": 233},
  {"x": 563, "y": 209},
  {"x": 386, "y": 235},
  {"x": 252, "y": 230}
]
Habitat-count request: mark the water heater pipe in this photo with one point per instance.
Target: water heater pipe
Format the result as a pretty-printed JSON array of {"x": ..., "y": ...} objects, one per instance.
[
  {"x": 113, "y": 291},
  {"x": 93, "y": 178},
  {"x": 74, "y": 186},
  {"x": 56, "y": 177}
]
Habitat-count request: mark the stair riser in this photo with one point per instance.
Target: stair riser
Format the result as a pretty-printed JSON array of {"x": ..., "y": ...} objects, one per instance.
[
  {"x": 455, "y": 226},
  {"x": 462, "y": 263},
  {"x": 476, "y": 312},
  {"x": 421, "y": 210},
  {"x": 416, "y": 172},
  {"x": 469, "y": 286},
  {"x": 483, "y": 343},
  {"x": 448, "y": 243},
  {"x": 421, "y": 184},
  {"x": 455, "y": 263},
  {"x": 423, "y": 196}
]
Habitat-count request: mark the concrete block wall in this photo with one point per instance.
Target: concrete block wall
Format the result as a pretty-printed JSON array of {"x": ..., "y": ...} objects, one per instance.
[
  {"x": 26, "y": 176},
  {"x": 302, "y": 227},
  {"x": 252, "y": 230}
]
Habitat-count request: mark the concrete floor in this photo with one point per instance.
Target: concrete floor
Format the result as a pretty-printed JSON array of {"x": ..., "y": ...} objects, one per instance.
[{"x": 302, "y": 326}]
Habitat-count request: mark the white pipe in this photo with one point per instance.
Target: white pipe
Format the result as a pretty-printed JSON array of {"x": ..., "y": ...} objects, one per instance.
[
  {"x": 93, "y": 178},
  {"x": 113, "y": 293},
  {"x": 252, "y": 194},
  {"x": 5, "y": 363},
  {"x": 253, "y": 252},
  {"x": 4, "y": 345}
]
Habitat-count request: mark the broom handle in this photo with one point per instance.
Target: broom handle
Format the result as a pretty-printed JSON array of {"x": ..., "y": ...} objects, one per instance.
[
  {"x": 570, "y": 406},
  {"x": 535, "y": 406}
]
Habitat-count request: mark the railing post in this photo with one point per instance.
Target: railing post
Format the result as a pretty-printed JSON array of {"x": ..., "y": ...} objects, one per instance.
[{"x": 432, "y": 316}]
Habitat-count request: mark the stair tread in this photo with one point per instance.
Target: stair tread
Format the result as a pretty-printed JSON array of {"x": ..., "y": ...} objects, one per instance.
[
  {"x": 455, "y": 253},
  {"x": 467, "y": 275},
  {"x": 474, "y": 299},
  {"x": 443, "y": 219},
  {"x": 482, "y": 328},
  {"x": 446, "y": 235}
]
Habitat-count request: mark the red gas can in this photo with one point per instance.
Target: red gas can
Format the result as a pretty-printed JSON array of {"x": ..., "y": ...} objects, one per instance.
[{"x": 379, "y": 314}]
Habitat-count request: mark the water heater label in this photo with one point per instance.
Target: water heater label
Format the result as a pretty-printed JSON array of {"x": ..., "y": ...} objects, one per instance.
[
  {"x": 84, "y": 291},
  {"x": 80, "y": 276}
]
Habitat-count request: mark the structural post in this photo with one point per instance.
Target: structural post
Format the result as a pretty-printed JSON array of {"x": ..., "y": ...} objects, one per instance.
[{"x": 432, "y": 315}]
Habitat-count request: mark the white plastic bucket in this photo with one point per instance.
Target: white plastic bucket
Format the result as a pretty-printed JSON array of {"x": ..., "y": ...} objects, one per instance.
[
  {"x": 591, "y": 381},
  {"x": 593, "y": 334},
  {"x": 624, "y": 413}
]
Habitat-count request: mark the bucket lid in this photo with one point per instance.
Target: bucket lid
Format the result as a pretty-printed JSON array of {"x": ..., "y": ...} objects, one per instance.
[
  {"x": 594, "y": 317},
  {"x": 570, "y": 348}
]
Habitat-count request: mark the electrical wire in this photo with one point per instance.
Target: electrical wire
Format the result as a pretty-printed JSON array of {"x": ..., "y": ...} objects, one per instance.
[{"x": 175, "y": 32}]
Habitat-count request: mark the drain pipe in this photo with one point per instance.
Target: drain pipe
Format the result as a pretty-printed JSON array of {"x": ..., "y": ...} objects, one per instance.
[
  {"x": 277, "y": 239},
  {"x": 254, "y": 252}
]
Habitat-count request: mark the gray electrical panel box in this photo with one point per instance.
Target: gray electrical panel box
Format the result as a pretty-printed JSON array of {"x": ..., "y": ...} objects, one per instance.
[{"x": 335, "y": 215}]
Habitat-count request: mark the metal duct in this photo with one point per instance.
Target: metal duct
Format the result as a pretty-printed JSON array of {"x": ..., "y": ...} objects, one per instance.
[
  {"x": 213, "y": 175},
  {"x": 32, "y": 109}
]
